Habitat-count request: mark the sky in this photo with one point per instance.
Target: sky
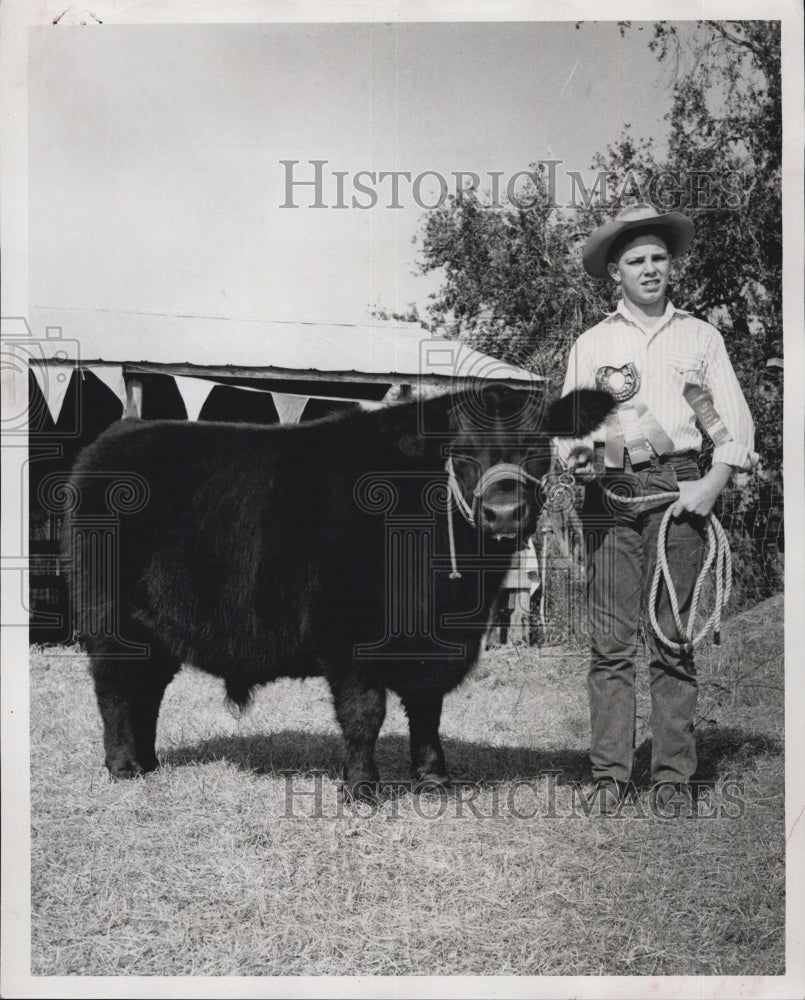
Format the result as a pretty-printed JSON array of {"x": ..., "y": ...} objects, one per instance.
[{"x": 155, "y": 174}]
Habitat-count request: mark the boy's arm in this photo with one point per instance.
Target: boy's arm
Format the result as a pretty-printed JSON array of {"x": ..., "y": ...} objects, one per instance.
[
  {"x": 729, "y": 403},
  {"x": 699, "y": 496}
]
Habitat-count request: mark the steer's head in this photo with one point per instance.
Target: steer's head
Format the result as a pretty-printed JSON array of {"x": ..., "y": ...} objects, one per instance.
[{"x": 501, "y": 450}]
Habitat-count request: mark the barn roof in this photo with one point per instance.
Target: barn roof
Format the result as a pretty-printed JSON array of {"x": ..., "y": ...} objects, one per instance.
[{"x": 158, "y": 339}]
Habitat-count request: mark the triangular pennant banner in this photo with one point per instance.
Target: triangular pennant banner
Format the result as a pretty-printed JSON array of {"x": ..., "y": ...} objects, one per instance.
[
  {"x": 14, "y": 382},
  {"x": 54, "y": 381},
  {"x": 194, "y": 392},
  {"x": 289, "y": 407},
  {"x": 112, "y": 378}
]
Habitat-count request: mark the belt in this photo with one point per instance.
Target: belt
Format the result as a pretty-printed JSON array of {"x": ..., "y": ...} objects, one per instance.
[
  {"x": 656, "y": 461},
  {"x": 675, "y": 458}
]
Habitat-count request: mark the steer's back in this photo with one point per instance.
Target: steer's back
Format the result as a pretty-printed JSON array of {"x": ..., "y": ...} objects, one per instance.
[{"x": 193, "y": 566}]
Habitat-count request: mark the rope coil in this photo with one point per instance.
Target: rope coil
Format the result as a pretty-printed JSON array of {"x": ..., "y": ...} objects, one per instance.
[{"x": 718, "y": 551}]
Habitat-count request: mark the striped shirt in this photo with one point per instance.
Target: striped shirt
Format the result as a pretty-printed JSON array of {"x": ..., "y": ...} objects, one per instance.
[{"x": 678, "y": 350}]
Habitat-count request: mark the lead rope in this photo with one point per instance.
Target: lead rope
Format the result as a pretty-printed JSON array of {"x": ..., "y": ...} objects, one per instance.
[
  {"x": 454, "y": 492},
  {"x": 718, "y": 550},
  {"x": 454, "y": 573}
]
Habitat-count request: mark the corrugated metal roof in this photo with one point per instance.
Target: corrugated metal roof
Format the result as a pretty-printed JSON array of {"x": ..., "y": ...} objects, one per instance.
[{"x": 88, "y": 335}]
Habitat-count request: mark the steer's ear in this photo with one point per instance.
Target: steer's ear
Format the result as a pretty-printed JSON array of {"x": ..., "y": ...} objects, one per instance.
[
  {"x": 419, "y": 427},
  {"x": 578, "y": 413}
]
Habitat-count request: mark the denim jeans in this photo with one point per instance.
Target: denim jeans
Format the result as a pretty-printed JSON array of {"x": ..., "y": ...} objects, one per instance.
[{"x": 621, "y": 556}]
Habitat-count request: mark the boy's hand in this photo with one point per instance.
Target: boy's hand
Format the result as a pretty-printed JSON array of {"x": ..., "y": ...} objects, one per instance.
[
  {"x": 698, "y": 496},
  {"x": 581, "y": 462}
]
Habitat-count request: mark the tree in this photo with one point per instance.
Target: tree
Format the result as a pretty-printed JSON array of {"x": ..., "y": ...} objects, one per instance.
[
  {"x": 513, "y": 282},
  {"x": 409, "y": 315},
  {"x": 511, "y": 278},
  {"x": 726, "y": 126}
]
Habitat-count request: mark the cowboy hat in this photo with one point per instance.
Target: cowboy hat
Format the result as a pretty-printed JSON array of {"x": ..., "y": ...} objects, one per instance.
[{"x": 675, "y": 228}]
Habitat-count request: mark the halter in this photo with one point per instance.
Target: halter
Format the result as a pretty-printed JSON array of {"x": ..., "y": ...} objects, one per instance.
[{"x": 502, "y": 470}]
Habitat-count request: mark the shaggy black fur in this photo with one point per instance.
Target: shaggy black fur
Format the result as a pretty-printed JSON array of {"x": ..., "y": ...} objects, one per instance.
[{"x": 319, "y": 549}]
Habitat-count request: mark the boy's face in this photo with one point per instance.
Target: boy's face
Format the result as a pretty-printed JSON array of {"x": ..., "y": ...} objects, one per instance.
[{"x": 642, "y": 270}]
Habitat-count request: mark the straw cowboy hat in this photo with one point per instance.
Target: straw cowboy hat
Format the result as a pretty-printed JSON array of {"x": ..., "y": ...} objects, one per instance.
[{"x": 675, "y": 228}]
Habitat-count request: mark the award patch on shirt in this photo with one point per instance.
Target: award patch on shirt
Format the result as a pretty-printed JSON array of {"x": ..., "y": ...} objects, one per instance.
[
  {"x": 634, "y": 435},
  {"x": 622, "y": 383},
  {"x": 622, "y": 427},
  {"x": 701, "y": 402},
  {"x": 633, "y": 426}
]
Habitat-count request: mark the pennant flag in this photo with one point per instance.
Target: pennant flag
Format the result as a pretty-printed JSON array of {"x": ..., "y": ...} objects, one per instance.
[
  {"x": 194, "y": 392},
  {"x": 54, "y": 381},
  {"x": 289, "y": 407},
  {"x": 14, "y": 381},
  {"x": 112, "y": 378}
]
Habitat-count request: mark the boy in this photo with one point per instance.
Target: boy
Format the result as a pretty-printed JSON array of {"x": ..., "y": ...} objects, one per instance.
[{"x": 665, "y": 369}]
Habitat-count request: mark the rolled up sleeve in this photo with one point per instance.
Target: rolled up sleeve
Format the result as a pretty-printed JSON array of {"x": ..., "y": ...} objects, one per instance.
[{"x": 730, "y": 404}]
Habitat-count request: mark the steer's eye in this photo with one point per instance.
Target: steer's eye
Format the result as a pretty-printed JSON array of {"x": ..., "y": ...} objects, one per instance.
[
  {"x": 465, "y": 463},
  {"x": 536, "y": 464},
  {"x": 467, "y": 470}
]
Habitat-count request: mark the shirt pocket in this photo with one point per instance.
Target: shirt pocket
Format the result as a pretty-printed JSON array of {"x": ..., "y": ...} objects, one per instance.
[{"x": 685, "y": 368}]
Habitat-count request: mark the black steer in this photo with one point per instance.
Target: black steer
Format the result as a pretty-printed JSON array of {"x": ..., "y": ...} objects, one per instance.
[{"x": 347, "y": 548}]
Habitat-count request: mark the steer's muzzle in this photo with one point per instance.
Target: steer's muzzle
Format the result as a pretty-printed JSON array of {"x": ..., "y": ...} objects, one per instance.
[
  {"x": 505, "y": 513},
  {"x": 504, "y": 495}
]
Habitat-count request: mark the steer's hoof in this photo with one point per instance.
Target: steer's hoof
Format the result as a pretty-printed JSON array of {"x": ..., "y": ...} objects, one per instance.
[
  {"x": 427, "y": 781},
  {"x": 123, "y": 767}
]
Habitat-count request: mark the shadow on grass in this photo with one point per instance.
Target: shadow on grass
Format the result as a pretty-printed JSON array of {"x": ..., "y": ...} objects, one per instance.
[{"x": 719, "y": 750}]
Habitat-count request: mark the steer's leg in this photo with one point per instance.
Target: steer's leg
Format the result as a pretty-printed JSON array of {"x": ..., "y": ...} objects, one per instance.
[
  {"x": 360, "y": 707},
  {"x": 424, "y": 710},
  {"x": 129, "y": 693}
]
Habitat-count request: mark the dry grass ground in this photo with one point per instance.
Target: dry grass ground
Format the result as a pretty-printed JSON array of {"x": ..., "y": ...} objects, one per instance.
[{"x": 197, "y": 869}]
